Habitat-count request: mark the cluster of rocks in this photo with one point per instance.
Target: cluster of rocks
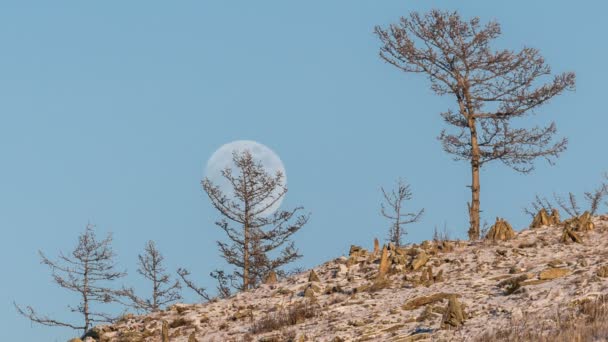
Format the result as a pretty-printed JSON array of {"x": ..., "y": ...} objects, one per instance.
[{"x": 500, "y": 231}]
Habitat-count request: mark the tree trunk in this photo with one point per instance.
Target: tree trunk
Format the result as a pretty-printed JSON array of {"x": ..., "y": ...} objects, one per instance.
[
  {"x": 85, "y": 298},
  {"x": 474, "y": 205}
]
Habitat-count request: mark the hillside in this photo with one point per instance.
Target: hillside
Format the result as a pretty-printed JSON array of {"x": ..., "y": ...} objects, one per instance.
[{"x": 532, "y": 284}]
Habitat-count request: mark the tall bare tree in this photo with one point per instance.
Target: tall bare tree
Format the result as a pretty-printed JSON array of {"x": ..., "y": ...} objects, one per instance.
[
  {"x": 490, "y": 88},
  {"x": 87, "y": 271},
  {"x": 259, "y": 241},
  {"x": 164, "y": 289},
  {"x": 392, "y": 209}
]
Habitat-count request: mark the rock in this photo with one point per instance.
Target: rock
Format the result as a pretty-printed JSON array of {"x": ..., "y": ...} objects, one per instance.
[
  {"x": 419, "y": 261},
  {"x": 556, "y": 263},
  {"x": 271, "y": 278},
  {"x": 602, "y": 271},
  {"x": 240, "y": 314},
  {"x": 581, "y": 223},
  {"x": 541, "y": 219},
  {"x": 309, "y": 292},
  {"x": 192, "y": 338},
  {"x": 555, "y": 220},
  {"x": 376, "y": 246},
  {"x": 570, "y": 236},
  {"x": 425, "y": 300},
  {"x": 384, "y": 264},
  {"x": 454, "y": 314},
  {"x": 356, "y": 251},
  {"x": 553, "y": 273},
  {"x": 500, "y": 231},
  {"x": 165, "y": 332},
  {"x": 313, "y": 276}
]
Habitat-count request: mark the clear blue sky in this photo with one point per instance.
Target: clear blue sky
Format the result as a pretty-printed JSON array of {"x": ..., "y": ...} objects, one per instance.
[{"x": 109, "y": 111}]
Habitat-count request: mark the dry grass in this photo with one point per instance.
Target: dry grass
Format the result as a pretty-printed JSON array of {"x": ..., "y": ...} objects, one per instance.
[
  {"x": 292, "y": 315},
  {"x": 588, "y": 321}
]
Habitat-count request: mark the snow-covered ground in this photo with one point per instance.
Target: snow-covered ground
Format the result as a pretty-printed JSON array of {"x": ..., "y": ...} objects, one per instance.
[{"x": 351, "y": 302}]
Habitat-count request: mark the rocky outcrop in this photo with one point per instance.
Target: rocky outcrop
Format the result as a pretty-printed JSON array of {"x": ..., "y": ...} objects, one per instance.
[
  {"x": 543, "y": 218},
  {"x": 419, "y": 261},
  {"x": 313, "y": 276},
  {"x": 454, "y": 314},
  {"x": 425, "y": 300},
  {"x": 271, "y": 278},
  {"x": 581, "y": 223},
  {"x": 384, "y": 263},
  {"x": 165, "y": 332},
  {"x": 569, "y": 236},
  {"x": 500, "y": 231}
]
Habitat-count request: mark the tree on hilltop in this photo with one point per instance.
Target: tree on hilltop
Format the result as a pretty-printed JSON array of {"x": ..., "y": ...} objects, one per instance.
[
  {"x": 490, "y": 87},
  {"x": 259, "y": 241},
  {"x": 87, "y": 271}
]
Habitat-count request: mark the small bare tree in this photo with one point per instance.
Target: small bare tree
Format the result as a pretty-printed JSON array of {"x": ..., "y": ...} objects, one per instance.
[
  {"x": 570, "y": 204},
  {"x": 87, "y": 271},
  {"x": 164, "y": 290},
  {"x": 490, "y": 88},
  {"x": 392, "y": 209},
  {"x": 257, "y": 233}
]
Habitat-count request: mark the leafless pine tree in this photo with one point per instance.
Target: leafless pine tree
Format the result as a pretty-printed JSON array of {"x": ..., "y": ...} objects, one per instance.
[
  {"x": 87, "y": 271},
  {"x": 392, "y": 209},
  {"x": 164, "y": 289},
  {"x": 254, "y": 233},
  {"x": 490, "y": 88}
]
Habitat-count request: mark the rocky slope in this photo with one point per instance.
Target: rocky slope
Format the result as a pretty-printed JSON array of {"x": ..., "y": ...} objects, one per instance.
[{"x": 438, "y": 290}]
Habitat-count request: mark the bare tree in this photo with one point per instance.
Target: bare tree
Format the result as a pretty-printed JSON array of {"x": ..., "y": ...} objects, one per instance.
[
  {"x": 392, "y": 209},
  {"x": 570, "y": 204},
  {"x": 164, "y": 290},
  {"x": 257, "y": 233},
  {"x": 87, "y": 271},
  {"x": 491, "y": 87}
]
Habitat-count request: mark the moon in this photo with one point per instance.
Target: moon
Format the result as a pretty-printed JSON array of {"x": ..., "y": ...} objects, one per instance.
[{"x": 222, "y": 158}]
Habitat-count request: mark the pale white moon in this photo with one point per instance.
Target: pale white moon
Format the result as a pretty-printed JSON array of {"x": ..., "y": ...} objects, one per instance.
[{"x": 222, "y": 158}]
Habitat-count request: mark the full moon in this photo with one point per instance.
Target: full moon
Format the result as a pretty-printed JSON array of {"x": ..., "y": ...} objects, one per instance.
[{"x": 222, "y": 158}]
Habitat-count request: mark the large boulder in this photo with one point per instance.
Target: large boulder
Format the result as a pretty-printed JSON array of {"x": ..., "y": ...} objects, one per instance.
[{"x": 500, "y": 231}]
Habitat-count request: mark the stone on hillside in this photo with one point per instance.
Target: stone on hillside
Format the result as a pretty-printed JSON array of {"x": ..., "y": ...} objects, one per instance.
[
  {"x": 500, "y": 231},
  {"x": 384, "y": 264},
  {"x": 356, "y": 251},
  {"x": 313, "y": 276},
  {"x": 165, "y": 332},
  {"x": 271, "y": 278},
  {"x": 602, "y": 271},
  {"x": 541, "y": 219},
  {"x": 415, "y": 303},
  {"x": 570, "y": 236},
  {"x": 454, "y": 314},
  {"x": 553, "y": 273},
  {"x": 419, "y": 261},
  {"x": 555, "y": 219},
  {"x": 309, "y": 292},
  {"x": 581, "y": 223},
  {"x": 376, "y": 246},
  {"x": 192, "y": 338}
]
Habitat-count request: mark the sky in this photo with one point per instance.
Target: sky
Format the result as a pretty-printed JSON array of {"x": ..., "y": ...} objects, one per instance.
[{"x": 110, "y": 110}]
